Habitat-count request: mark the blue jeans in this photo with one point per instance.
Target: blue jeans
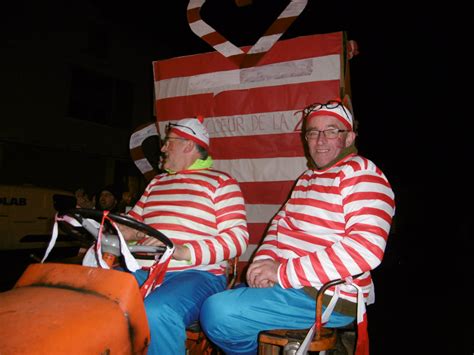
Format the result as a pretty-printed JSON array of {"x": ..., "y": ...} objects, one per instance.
[
  {"x": 175, "y": 305},
  {"x": 232, "y": 319}
]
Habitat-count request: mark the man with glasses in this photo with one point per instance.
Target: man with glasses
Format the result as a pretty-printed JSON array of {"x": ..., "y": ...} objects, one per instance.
[
  {"x": 335, "y": 224},
  {"x": 202, "y": 211}
]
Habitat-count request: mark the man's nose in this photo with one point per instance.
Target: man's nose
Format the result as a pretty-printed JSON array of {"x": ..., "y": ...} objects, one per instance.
[{"x": 321, "y": 138}]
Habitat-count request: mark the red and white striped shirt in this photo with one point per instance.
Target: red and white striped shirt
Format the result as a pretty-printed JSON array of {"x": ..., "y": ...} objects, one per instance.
[
  {"x": 201, "y": 209},
  {"x": 335, "y": 224}
]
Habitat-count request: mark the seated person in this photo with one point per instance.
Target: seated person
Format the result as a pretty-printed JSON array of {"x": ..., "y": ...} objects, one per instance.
[
  {"x": 335, "y": 224},
  {"x": 108, "y": 199},
  {"x": 202, "y": 211},
  {"x": 84, "y": 199}
]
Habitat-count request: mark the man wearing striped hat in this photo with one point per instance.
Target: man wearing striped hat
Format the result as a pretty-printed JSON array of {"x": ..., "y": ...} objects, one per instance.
[
  {"x": 335, "y": 224},
  {"x": 202, "y": 211}
]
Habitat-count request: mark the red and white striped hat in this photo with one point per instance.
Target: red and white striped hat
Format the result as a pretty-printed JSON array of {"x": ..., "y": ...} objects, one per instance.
[
  {"x": 332, "y": 108},
  {"x": 193, "y": 129}
]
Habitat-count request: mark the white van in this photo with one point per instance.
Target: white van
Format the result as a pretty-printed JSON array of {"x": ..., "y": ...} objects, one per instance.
[{"x": 27, "y": 216}]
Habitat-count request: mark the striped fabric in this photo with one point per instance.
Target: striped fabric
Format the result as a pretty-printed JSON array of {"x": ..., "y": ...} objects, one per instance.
[
  {"x": 243, "y": 58},
  {"x": 251, "y": 113},
  {"x": 335, "y": 224},
  {"x": 202, "y": 209}
]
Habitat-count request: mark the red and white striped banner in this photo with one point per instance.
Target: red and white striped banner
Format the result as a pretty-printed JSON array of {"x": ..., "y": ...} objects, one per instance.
[{"x": 251, "y": 112}]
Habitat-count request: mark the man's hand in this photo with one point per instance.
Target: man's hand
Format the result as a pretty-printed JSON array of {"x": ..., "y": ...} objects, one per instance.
[
  {"x": 263, "y": 273},
  {"x": 130, "y": 233},
  {"x": 180, "y": 252}
]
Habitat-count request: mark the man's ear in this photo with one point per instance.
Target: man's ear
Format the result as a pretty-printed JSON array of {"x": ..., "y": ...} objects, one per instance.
[
  {"x": 350, "y": 138},
  {"x": 189, "y": 146}
]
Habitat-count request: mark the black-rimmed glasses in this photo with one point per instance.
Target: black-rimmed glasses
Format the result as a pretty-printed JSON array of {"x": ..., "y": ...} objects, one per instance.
[{"x": 330, "y": 133}]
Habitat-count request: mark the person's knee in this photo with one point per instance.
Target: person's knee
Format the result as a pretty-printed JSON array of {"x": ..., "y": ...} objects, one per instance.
[
  {"x": 215, "y": 312},
  {"x": 163, "y": 314}
]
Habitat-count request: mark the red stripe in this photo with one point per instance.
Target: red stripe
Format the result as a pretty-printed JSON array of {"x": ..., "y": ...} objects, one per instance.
[
  {"x": 268, "y": 192},
  {"x": 214, "y": 38},
  {"x": 263, "y": 146},
  {"x": 248, "y": 101},
  {"x": 235, "y": 241},
  {"x": 295, "y": 249},
  {"x": 318, "y": 269},
  {"x": 163, "y": 227},
  {"x": 280, "y": 25},
  {"x": 337, "y": 262},
  {"x": 270, "y": 253},
  {"x": 362, "y": 345},
  {"x": 225, "y": 246},
  {"x": 283, "y": 274},
  {"x": 227, "y": 196},
  {"x": 241, "y": 269},
  {"x": 197, "y": 252},
  {"x": 212, "y": 251},
  {"x": 256, "y": 231},
  {"x": 251, "y": 59},
  {"x": 371, "y": 212},
  {"x": 370, "y": 195},
  {"x": 193, "y": 15},
  {"x": 184, "y": 216},
  {"x": 319, "y": 221},
  {"x": 376, "y": 179},
  {"x": 332, "y": 207},
  {"x": 308, "y": 238},
  {"x": 304, "y": 47},
  {"x": 303, "y": 279},
  {"x": 359, "y": 259},
  {"x": 231, "y": 216},
  {"x": 186, "y": 203}
]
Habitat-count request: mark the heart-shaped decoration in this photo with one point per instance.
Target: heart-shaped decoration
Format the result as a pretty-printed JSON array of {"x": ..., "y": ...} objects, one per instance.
[{"x": 232, "y": 52}]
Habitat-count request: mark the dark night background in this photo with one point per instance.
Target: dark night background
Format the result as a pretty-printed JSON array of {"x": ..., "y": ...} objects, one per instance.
[{"x": 410, "y": 86}]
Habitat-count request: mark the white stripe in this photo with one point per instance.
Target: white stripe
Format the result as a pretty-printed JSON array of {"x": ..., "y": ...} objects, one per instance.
[
  {"x": 291, "y": 72},
  {"x": 249, "y": 125},
  {"x": 261, "y": 213},
  {"x": 294, "y": 8},
  {"x": 195, "y": 3},
  {"x": 138, "y": 137},
  {"x": 267, "y": 169},
  {"x": 143, "y": 165},
  {"x": 349, "y": 262},
  {"x": 328, "y": 266},
  {"x": 201, "y": 28},
  {"x": 248, "y": 253},
  {"x": 264, "y": 43},
  {"x": 227, "y": 49}
]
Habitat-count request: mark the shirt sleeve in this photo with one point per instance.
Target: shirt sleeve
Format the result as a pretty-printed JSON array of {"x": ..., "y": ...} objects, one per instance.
[
  {"x": 368, "y": 207},
  {"x": 232, "y": 236}
]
